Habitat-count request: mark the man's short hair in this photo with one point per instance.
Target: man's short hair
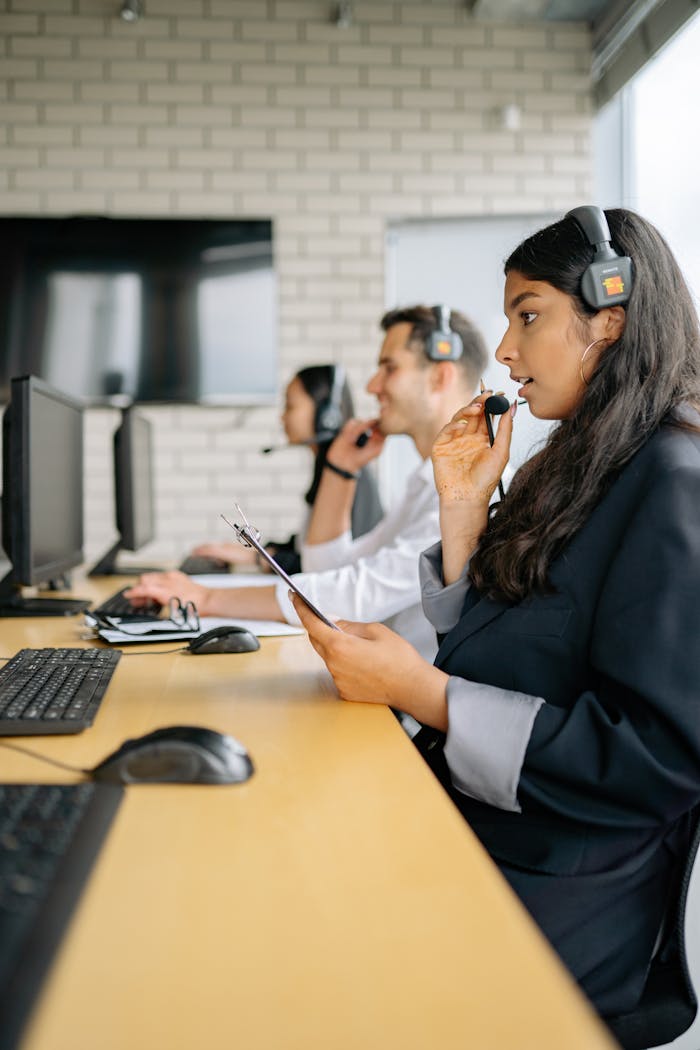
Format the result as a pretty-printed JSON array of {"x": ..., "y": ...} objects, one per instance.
[{"x": 424, "y": 322}]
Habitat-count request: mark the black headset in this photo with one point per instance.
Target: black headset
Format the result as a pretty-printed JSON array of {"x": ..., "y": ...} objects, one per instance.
[
  {"x": 329, "y": 412},
  {"x": 608, "y": 279},
  {"x": 444, "y": 344}
]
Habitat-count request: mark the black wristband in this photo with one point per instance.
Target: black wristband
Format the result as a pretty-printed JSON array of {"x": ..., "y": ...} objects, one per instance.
[{"x": 342, "y": 473}]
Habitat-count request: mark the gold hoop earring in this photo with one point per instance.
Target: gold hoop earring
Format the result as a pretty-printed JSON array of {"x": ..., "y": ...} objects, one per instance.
[{"x": 583, "y": 358}]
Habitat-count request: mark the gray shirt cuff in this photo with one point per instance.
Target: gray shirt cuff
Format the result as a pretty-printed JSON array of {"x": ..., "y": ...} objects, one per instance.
[
  {"x": 442, "y": 605},
  {"x": 489, "y": 730}
]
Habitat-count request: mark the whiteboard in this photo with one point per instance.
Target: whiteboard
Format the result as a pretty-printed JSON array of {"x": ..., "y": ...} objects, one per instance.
[{"x": 458, "y": 262}]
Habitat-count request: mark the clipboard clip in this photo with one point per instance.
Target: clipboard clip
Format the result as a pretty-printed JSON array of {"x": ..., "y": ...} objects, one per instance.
[{"x": 244, "y": 532}]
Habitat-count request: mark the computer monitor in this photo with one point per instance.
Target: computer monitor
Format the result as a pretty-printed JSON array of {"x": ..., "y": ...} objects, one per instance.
[
  {"x": 133, "y": 493},
  {"x": 42, "y": 499}
]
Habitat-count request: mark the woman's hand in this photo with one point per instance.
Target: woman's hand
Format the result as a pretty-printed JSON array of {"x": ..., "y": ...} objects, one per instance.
[
  {"x": 371, "y": 664},
  {"x": 162, "y": 586},
  {"x": 231, "y": 553},
  {"x": 467, "y": 469}
]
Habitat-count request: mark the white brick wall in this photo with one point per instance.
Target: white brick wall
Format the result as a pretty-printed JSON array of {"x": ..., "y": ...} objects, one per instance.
[{"x": 263, "y": 108}]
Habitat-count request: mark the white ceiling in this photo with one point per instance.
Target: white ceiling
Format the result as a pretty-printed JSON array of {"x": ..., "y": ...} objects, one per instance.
[{"x": 625, "y": 34}]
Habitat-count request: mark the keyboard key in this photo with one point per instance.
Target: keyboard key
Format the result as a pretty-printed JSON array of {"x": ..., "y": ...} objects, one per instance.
[
  {"x": 50, "y": 836},
  {"x": 54, "y": 690}
]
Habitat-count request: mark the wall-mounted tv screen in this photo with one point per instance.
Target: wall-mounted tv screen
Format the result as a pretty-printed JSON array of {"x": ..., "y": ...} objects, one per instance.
[{"x": 118, "y": 310}]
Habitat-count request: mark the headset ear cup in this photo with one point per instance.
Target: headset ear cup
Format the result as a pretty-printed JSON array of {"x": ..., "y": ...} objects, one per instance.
[
  {"x": 443, "y": 344},
  {"x": 329, "y": 413},
  {"x": 607, "y": 281},
  {"x": 328, "y": 417}
]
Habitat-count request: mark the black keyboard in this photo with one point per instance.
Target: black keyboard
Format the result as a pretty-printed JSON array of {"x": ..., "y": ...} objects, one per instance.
[
  {"x": 201, "y": 565},
  {"x": 53, "y": 690},
  {"x": 119, "y": 605},
  {"x": 50, "y": 836}
]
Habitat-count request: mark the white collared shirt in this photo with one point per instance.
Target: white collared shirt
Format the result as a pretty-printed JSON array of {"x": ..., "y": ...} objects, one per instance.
[{"x": 375, "y": 577}]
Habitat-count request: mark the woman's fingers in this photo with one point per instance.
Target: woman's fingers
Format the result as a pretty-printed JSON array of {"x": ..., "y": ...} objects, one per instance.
[
  {"x": 503, "y": 435},
  {"x": 315, "y": 627},
  {"x": 471, "y": 414},
  {"x": 358, "y": 629},
  {"x": 468, "y": 420}
]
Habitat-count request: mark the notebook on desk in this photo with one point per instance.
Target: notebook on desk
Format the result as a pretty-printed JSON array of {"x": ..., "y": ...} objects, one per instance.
[{"x": 145, "y": 633}]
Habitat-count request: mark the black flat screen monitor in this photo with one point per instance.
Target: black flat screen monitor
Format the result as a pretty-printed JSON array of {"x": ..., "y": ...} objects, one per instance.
[
  {"x": 123, "y": 310},
  {"x": 133, "y": 493},
  {"x": 42, "y": 498}
]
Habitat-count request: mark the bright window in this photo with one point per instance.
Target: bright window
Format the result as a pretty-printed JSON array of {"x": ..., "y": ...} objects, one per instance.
[{"x": 665, "y": 147}]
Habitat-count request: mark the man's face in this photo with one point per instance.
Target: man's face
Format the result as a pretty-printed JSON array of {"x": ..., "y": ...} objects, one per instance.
[{"x": 401, "y": 384}]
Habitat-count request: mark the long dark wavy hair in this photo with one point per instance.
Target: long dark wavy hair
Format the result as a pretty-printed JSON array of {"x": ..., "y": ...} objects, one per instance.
[{"x": 650, "y": 370}]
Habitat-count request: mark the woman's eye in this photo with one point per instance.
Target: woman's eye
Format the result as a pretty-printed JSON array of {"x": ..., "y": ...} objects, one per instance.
[{"x": 528, "y": 316}]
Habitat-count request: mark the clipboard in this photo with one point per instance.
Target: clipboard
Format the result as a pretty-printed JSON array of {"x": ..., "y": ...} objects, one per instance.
[{"x": 247, "y": 536}]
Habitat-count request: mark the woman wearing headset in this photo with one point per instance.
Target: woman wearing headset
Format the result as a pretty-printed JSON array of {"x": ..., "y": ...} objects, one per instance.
[
  {"x": 562, "y": 713},
  {"x": 317, "y": 404}
]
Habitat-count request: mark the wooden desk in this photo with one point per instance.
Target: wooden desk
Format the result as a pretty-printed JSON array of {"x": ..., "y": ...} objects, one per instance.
[{"x": 335, "y": 901}]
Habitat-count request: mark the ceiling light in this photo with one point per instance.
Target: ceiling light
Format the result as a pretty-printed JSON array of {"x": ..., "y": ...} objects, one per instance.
[
  {"x": 343, "y": 14},
  {"x": 131, "y": 10}
]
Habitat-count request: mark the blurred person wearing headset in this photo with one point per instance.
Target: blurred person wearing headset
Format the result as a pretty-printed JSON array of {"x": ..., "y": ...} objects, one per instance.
[
  {"x": 430, "y": 363},
  {"x": 318, "y": 402}
]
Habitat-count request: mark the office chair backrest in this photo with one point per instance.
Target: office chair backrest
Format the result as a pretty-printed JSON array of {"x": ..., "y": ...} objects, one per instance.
[{"x": 669, "y": 1002}]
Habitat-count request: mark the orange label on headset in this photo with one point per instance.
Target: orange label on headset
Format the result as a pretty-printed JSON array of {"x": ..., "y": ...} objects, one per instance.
[
  {"x": 443, "y": 346},
  {"x": 614, "y": 285}
]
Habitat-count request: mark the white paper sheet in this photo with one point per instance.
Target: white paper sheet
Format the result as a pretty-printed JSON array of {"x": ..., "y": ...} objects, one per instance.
[{"x": 236, "y": 579}]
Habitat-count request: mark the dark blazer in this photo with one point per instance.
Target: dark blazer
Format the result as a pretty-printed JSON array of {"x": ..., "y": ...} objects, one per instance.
[{"x": 613, "y": 764}]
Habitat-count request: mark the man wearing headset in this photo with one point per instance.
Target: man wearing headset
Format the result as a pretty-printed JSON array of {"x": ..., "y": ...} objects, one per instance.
[{"x": 429, "y": 366}]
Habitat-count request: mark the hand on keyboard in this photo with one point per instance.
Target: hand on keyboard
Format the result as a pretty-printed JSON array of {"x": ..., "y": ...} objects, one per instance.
[{"x": 119, "y": 605}]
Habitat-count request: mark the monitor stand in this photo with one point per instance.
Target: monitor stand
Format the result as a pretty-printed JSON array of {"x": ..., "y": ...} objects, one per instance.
[
  {"x": 107, "y": 565},
  {"x": 12, "y": 603}
]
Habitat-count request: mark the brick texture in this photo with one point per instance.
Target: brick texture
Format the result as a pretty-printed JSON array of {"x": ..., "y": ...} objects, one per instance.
[{"x": 222, "y": 108}]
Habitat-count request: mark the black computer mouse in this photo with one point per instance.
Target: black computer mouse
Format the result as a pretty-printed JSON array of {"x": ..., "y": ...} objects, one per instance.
[
  {"x": 228, "y": 638},
  {"x": 177, "y": 755}
]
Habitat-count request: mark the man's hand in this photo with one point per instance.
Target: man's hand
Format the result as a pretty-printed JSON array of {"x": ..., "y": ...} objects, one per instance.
[
  {"x": 162, "y": 586},
  {"x": 344, "y": 452}
]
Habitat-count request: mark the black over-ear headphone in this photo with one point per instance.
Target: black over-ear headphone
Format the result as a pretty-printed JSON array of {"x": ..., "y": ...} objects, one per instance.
[
  {"x": 608, "y": 279},
  {"x": 443, "y": 344},
  {"x": 329, "y": 412}
]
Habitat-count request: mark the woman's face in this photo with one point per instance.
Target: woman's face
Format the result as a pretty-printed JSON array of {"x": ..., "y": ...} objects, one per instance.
[
  {"x": 544, "y": 344},
  {"x": 299, "y": 413}
]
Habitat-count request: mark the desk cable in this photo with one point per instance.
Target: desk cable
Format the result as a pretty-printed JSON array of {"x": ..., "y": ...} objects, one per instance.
[
  {"x": 43, "y": 758},
  {"x": 159, "y": 652},
  {"x": 57, "y": 762}
]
